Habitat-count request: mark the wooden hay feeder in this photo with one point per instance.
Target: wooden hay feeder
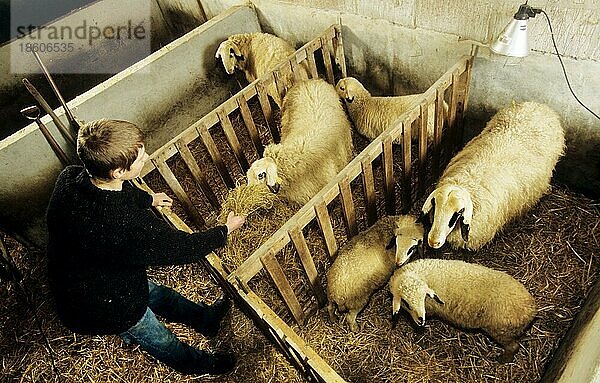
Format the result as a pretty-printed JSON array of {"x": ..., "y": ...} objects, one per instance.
[{"x": 370, "y": 175}]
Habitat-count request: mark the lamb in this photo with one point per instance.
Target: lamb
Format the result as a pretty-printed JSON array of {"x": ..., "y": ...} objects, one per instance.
[
  {"x": 257, "y": 54},
  {"x": 496, "y": 177},
  {"x": 372, "y": 115},
  {"x": 467, "y": 295},
  {"x": 365, "y": 263},
  {"x": 315, "y": 145}
]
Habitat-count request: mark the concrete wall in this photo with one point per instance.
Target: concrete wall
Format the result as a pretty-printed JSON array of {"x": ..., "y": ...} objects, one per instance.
[
  {"x": 88, "y": 65},
  {"x": 164, "y": 93},
  {"x": 403, "y": 46}
]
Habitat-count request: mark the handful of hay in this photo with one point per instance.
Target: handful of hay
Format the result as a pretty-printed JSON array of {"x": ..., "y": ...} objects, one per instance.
[
  {"x": 265, "y": 212},
  {"x": 247, "y": 199}
]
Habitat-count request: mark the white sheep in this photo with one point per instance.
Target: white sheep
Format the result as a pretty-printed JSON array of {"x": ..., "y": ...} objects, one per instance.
[
  {"x": 365, "y": 263},
  {"x": 372, "y": 115},
  {"x": 497, "y": 176},
  {"x": 257, "y": 54},
  {"x": 467, "y": 295},
  {"x": 315, "y": 145}
]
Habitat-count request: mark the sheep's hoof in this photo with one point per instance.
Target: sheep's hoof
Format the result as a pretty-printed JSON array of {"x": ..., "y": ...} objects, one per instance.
[{"x": 508, "y": 355}]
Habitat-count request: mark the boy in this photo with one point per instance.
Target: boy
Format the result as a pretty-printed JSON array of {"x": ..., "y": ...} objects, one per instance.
[{"x": 103, "y": 235}]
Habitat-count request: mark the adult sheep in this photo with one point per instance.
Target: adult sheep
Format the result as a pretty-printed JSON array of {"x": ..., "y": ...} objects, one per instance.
[
  {"x": 467, "y": 295},
  {"x": 372, "y": 115},
  {"x": 367, "y": 261},
  {"x": 497, "y": 176},
  {"x": 315, "y": 145},
  {"x": 257, "y": 54}
]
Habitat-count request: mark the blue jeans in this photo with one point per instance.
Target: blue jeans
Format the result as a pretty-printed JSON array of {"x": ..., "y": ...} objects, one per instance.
[{"x": 159, "y": 341}]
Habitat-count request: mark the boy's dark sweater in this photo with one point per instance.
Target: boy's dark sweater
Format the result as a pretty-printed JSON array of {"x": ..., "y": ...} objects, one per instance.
[{"x": 100, "y": 243}]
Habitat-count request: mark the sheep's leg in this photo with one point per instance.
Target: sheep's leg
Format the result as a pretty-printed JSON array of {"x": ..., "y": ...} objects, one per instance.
[
  {"x": 510, "y": 349},
  {"x": 331, "y": 311},
  {"x": 351, "y": 319}
]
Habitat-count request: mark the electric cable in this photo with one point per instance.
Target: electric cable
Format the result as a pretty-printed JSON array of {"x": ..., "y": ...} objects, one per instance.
[{"x": 563, "y": 66}]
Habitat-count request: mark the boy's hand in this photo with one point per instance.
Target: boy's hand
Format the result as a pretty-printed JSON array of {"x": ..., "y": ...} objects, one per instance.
[
  {"x": 234, "y": 222},
  {"x": 161, "y": 199}
]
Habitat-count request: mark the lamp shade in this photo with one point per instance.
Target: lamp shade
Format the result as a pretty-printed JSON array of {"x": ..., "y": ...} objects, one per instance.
[{"x": 514, "y": 40}]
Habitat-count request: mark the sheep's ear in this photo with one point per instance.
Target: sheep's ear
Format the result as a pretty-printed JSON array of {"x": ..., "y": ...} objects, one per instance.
[
  {"x": 236, "y": 51},
  {"x": 434, "y": 296},
  {"x": 426, "y": 216},
  {"x": 464, "y": 229},
  {"x": 455, "y": 217},
  {"x": 391, "y": 244}
]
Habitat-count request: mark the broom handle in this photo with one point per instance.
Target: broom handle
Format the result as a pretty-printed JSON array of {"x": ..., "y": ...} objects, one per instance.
[
  {"x": 66, "y": 133},
  {"x": 68, "y": 112}
]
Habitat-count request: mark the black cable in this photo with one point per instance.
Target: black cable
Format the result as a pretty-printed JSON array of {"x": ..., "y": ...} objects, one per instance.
[{"x": 563, "y": 66}]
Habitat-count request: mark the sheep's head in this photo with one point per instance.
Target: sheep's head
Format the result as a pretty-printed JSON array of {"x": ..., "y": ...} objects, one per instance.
[
  {"x": 230, "y": 55},
  {"x": 446, "y": 207},
  {"x": 408, "y": 239},
  {"x": 409, "y": 292},
  {"x": 264, "y": 171},
  {"x": 348, "y": 88}
]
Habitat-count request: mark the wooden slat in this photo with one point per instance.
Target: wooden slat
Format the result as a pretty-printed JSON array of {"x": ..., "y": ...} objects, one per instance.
[
  {"x": 265, "y": 105},
  {"x": 285, "y": 333},
  {"x": 453, "y": 99},
  {"x": 213, "y": 151},
  {"x": 467, "y": 81},
  {"x": 281, "y": 79},
  {"x": 406, "y": 166},
  {"x": 338, "y": 48},
  {"x": 423, "y": 137},
  {"x": 327, "y": 60},
  {"x": 312, "y": 65},
  {"x": 174, "y": 184},
  {"x": 274, "y": 269},
  {"x": 299, "y": 241},
  {"x": 233, "y": 140},
  {"x": 453, "y": 105},
  {"x": 348, "y": 207},
  {"x": 388, "y": 176},
  {"x": 298, "y": 68},
  {"x": 437, "y": 136},
  {"x": 197, "y": 174},
  {"x": 369, "y": 191},
  {"x": 326, "y": 228},
  {"x": 250, "y": 125}
]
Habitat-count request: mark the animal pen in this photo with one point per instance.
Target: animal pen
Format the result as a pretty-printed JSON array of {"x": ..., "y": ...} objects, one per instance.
[
  {"x": 278, "y": 280},
  {"x": 373, "y": 167}
]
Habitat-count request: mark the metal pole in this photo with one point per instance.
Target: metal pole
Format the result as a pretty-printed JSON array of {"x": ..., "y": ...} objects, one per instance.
[
  {"x": 33, "y": 113},
  {"x": 72, "y": 122}
]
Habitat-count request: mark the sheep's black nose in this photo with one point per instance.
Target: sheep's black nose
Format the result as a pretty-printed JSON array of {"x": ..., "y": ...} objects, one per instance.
[
  {"x": 421, "y": 322},
  {"x": 274, "y": 188}
]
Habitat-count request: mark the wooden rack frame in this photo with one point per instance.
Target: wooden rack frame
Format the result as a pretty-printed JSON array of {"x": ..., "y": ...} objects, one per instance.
[{"x": 452, "y": 88}]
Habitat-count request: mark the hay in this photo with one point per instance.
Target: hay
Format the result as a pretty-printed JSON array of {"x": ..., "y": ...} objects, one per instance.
[
  {"x": 265, "y": 212},
  {"x": 553, "y": 250}
]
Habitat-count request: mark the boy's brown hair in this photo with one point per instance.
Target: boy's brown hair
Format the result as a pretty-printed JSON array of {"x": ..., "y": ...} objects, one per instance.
[{"x": 106, "y": 145}]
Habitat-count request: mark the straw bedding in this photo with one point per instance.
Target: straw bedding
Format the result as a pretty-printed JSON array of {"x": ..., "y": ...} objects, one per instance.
[{"x": 553, "y": 250}]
